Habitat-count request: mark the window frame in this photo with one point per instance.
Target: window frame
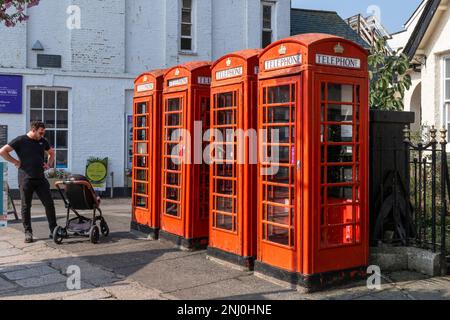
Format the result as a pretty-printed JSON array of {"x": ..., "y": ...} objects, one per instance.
[
  {"x": 445, "y": 103},
  {"x": 55, "y": 129},
  {"x": 446, "y": 59},
  {"x": 180, "y": 26},
  {"x": 272, "y": 29}
]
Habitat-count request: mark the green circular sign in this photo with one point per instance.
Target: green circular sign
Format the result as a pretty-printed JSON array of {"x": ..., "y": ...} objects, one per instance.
[{"x": 96, "y": 172}]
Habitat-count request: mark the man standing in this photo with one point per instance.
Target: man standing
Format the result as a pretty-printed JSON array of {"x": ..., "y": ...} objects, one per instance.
[{"x": 31, "y": 149}]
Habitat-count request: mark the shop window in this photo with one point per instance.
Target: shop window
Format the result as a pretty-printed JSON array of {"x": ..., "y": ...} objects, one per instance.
[
  {"x": 267, "y": 24},
  {"x": 51, "y": 107},
  {"x": 186, "y": 26}
]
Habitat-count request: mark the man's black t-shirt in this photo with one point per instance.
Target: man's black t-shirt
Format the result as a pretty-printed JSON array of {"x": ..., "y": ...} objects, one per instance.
[{"x": 31, "y": 154}]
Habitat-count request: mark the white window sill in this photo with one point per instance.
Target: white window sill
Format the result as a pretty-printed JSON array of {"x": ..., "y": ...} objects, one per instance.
[{"x": 187, "y": 53}]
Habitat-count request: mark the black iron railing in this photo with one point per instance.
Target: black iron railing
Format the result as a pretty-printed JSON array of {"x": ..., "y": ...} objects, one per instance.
[{"x": 428, "y": 189}]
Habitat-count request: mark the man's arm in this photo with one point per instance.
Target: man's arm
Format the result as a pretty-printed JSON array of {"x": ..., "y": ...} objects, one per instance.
[
  {"x": 50, "y": 159},
  {"x": 5, "y": 153}
]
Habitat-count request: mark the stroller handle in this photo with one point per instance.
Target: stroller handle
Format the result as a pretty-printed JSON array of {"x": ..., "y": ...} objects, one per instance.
[{"x": 87, "y": 184}]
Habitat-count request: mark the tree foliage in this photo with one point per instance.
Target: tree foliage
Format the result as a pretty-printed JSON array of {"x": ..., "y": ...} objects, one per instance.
[
  {"x": 389, "y": 78},
  {"x": 13, "y": 11}
]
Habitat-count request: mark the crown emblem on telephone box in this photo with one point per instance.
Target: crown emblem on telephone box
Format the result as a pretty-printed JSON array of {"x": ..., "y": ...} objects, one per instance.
[
  {"x": 338, "y": 48},
  {"x": 228, "y": 62},
  {"x": 177, "y": 72},
  {"x": 282, "y": 50}
]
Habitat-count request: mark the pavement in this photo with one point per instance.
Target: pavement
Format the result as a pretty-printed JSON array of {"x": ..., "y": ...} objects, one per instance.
[{"x": 128, "y": 266}]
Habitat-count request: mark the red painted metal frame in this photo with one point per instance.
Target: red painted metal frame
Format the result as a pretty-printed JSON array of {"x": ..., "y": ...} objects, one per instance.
[
  {"x": 148, "y": 90},
  {"x": 242, "y": 85},
  {"x": 189, "y": 82},
  {"x": 307, "y": 256}
]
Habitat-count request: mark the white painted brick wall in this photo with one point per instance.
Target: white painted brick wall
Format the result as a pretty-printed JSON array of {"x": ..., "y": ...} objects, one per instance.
[
  {"x": 51, "y": 32},
  {"x": 96, "y": 118},
  {"x": 118, "y": 40},
  {"x": 145, "y": 35},
  {"x": 13, "y": 46},
  {"x": 99, "y": 46},
  {"x": 432, "y": 73}
]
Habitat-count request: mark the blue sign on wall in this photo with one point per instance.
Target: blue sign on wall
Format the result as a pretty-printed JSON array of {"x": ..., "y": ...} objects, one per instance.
[{"x": 10, "y": 94}]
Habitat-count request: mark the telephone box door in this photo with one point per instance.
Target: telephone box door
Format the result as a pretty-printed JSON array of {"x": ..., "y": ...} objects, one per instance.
[
  {"x": 343, "y": 169},
  {"x": 226, "y": 171},
  {"x": 141, "y": 159},
  {"x": 278, "y": 123},
  {"x": 205, "y": 118},
  {"x": 173, "y": 169}
]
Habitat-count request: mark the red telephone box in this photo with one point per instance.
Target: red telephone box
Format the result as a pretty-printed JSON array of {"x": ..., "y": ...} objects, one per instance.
[
  {"x": 146, "y": 175},
  {"x": 185, "y": 176},
  {"x": 232, "y": 175},
  {"x": 313, "y": 171}
]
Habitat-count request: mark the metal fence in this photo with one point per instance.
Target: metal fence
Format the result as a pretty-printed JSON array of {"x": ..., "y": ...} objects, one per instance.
[
  {"x": 412, "y": 198},
  {"x": 428, "y": 190}
]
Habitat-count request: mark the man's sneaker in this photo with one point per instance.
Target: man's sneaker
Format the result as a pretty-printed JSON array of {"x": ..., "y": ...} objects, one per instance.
[{"x": 28, "y": 237}]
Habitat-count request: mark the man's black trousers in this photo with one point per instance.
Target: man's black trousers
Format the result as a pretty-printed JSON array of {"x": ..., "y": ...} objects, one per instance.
[{"x": 42, "y": 188}]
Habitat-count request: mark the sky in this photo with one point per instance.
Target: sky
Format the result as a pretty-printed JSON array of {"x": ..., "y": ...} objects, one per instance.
[{"x": 393, "y": 13}]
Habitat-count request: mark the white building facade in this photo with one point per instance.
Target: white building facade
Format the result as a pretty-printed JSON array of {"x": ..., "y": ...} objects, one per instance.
[
  {"x": 77, "y": 60},
  {"x": 426, "y": 41}
]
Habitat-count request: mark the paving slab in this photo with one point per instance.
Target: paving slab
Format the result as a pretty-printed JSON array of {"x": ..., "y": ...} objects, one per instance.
[
  {"x": 15, "y": 266},
  {"x": 165, "y": 275},
  {"x": 126, "y": 290},
  {"x": 390, "y": 294},
  {"x": 51, "y": 292},
  {"x": 350, "y": 291},
  {"x": 6, "y": 285},
  {"x": 5, "y": 245},
  {"x": 42, "y": 281},
  {"x": 428, "y": 289},
  {"x": 239, "y": 288},
  {"x": 129, "y": 257},
  {"x": 23, "y": 258},
  {"x": 127, "y": 266},
  {"x": 10, "y": 252},
  {"x": 405, "y": 277},
  {"x": 92, "y": 294},
  {"x": 20, "y": 243},
  {"x": 30, "y": 272}
]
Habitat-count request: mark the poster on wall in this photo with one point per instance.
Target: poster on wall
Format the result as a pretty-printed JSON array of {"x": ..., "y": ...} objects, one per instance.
[
  {"x": 97, "y": 173},
  {"x": 3, "y": 135},
  {"x": 10, "y": 94},
  {"x": 3, "y": 197},
  {"x": 130, "y": 141}
]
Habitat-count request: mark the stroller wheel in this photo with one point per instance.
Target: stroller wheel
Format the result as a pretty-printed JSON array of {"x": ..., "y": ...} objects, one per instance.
[
  {"x": 104, "y": 228},
  {"x": 58, "y": 235},
  {"x": 94, "y": 234}
]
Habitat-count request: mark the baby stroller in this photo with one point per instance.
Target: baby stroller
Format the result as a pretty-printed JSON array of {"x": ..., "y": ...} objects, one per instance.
[{"x": 78, "y": 194}]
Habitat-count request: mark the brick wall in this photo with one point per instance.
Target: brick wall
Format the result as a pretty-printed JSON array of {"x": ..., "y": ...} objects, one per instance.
[{"x": 118, "y": 40}]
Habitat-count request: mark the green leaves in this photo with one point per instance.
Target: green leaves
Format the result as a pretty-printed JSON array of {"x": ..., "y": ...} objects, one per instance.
[
  {"x": 13, "y": 11},
  {"x": 389, "y": 78}
]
